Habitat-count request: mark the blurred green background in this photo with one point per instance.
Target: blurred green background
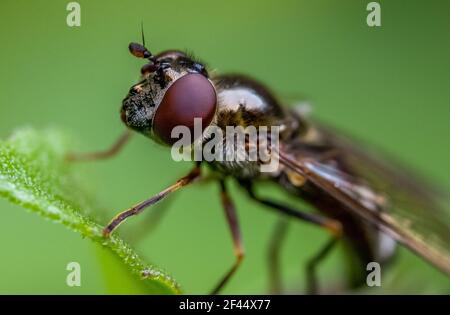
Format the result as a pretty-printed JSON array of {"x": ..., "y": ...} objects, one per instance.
[{"x": 388, "y": 85}]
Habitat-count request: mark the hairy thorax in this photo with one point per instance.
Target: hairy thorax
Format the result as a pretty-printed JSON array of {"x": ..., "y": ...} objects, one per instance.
[{"x": 243, "y": 102}]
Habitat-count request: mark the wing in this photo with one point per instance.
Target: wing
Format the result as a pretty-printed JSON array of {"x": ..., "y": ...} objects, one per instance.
[{"x": 386, "y": 195}]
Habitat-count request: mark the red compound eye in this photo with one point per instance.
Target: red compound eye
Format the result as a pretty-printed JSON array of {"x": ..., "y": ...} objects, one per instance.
[{"x": 189, "y": 97}]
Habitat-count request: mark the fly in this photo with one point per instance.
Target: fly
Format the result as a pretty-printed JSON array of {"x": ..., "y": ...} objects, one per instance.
[{"x": 362, "y": 199}]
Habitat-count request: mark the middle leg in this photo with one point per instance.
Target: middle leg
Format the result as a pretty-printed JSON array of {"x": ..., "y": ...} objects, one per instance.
[
  {"x": 230, "y": 214},
  {"x": 278, "y": 237}
]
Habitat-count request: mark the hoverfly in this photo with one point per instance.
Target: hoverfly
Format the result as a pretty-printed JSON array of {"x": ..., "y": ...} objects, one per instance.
[{"x": 362, "y": 199}]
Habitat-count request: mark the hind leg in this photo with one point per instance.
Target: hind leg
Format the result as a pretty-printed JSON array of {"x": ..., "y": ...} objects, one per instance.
[
  {"x": 313, "y": 263},
  {"x": 331, "y": 225}
]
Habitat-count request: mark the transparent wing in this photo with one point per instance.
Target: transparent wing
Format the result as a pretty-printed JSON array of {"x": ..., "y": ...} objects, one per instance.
[{"x": 399, "y": 203}]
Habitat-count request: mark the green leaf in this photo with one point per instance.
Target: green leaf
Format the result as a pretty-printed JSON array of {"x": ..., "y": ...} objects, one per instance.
[{"x": 34, "y": 174}]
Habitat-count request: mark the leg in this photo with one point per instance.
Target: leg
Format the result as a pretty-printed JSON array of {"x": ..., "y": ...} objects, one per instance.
[
  {"x": 118, "y": 219},
  {"x": 278, "y": 237},
  {"x": 331, "y": 225},
  {"x": 230, "y": 214},
  {"x": 314, "y": 262},
  {"x": 113, "y": 150},
  {"x": 150, "y": 222}
]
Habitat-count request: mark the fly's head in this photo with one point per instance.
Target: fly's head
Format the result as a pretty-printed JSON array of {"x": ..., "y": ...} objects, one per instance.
[{"x": 174, "y": 89}]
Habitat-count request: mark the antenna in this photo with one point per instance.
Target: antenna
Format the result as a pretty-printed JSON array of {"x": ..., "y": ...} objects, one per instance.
[
  {"x": 142, "y": 33},
  {"x": 139, "y": 50}
]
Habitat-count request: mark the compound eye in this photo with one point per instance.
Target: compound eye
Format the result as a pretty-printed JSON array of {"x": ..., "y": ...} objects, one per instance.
[{"x": 189, "y": 97}]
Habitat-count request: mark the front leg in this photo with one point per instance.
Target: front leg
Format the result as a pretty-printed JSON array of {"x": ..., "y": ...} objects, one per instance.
[
  {"x": 101, "y": 155},
  {"x": 122, "y": 216}
]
